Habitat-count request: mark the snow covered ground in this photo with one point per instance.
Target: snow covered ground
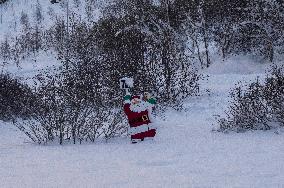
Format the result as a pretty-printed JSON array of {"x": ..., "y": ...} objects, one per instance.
[{"x": 185, "y": 153}]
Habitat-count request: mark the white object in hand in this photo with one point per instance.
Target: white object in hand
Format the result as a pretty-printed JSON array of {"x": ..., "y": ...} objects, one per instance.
[{"x": 126, "y": 83}]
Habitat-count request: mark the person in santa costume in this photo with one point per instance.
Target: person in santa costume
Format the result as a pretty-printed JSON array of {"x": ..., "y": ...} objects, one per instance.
[{"x": 138, "y": 110}]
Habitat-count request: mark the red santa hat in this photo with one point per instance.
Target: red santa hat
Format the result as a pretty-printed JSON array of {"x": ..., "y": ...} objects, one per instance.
[{"x": 135, "y": 97}]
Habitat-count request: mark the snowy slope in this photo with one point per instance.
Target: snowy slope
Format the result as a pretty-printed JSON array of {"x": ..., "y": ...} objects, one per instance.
[
  {"x": 185, "y": 153},
  {"x": 12, "y": 10},
  {"x": 10, "y": 26}
]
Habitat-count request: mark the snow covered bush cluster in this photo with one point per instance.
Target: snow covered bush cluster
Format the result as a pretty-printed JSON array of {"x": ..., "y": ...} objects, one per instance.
[
  {"x": 16, "y": 99},
  {"x": 68, "y": 110},
  {"x": 257, "y": 106}
]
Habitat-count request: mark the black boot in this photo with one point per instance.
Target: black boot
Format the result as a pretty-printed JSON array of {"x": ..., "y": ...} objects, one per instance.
[{"x": 134, "y": 141}]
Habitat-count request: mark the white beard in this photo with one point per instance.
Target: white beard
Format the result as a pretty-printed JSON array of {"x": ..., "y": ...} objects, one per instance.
[{"x": 142, "y": 106}]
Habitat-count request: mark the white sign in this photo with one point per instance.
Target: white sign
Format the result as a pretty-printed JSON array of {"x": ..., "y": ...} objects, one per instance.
[{"x": 126, "y": 83}]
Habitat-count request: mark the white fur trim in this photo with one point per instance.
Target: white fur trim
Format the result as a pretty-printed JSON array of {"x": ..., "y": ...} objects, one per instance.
[
  {"x": 127, "y": 102},
  {"x": 140, "y": 129},
  {"x": 142, "y": 106}
]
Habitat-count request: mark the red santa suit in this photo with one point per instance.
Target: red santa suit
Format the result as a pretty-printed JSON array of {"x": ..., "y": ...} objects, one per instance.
[{"x": 139, "y": 120}]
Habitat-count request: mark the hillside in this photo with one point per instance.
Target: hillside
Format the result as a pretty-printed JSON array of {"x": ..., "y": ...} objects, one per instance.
[{"x": 11, "y": 12}]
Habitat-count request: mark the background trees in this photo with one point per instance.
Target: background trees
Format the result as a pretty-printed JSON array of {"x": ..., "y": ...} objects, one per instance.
[{"x": 233, "y": 27}]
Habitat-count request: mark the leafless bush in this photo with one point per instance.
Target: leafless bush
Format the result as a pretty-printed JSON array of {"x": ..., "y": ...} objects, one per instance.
[
  {"x": 258, "y": 106},
  {"x": 16, "y": 99},
  {"x": 66, "y": 113}
]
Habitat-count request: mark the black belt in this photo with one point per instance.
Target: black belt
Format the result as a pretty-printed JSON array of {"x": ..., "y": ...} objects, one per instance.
[{"x": 139, "y": 119}]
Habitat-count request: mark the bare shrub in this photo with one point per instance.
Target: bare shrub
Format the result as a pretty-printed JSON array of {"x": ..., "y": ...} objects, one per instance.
[
  {"x": 67, "y": 113},
  {"x": 16, "y": 99},
  {"x": 258, "y": 106}
]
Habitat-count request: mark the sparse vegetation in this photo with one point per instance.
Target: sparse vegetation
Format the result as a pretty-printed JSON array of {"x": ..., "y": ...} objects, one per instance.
[{"x": 257, "y": 106}]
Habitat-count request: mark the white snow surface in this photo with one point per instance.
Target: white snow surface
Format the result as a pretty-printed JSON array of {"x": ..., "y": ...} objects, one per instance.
[{"x": 185, "y": 153}]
